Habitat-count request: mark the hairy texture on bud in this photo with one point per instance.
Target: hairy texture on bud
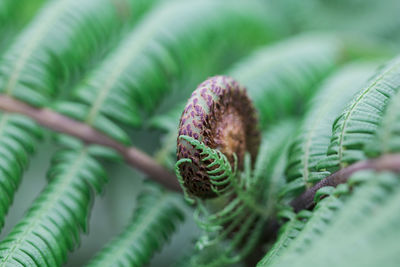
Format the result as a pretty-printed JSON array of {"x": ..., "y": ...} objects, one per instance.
[{"x": 220, "y": 114}]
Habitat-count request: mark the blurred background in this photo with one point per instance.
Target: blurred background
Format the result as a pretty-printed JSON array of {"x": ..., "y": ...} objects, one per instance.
[{"x": 378, "y": 20}]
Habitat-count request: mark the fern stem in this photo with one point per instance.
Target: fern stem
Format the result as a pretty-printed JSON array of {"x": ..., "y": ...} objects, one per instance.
[
  {"x": 390, "y": 162},
  {"x": 60, "y": 123}
]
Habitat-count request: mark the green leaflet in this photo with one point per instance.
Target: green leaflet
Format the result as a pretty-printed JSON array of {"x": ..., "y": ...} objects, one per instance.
[
  {"x": 271, "y": 161},
  {"x": 282, "y": 77},
  {"x": 169, "y": 46},
  {"x": 50, "y": 52},
  {"x": 287, "y": 233},
  {"x": 154, "y": 221},
  {"x": 52, "y": 225},
  {"x": 387, "y": 137},
  {"x": 314, "y": 135},
  {"x": 358, "y": 123},
  {"x": 18, "y": 136},
  {"x": 305, "y": 227},
  {"x": 364, "y": 231}
]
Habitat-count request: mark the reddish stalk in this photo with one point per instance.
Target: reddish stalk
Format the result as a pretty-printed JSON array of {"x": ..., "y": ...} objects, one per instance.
[
  {"x": 389, "y": 162},
  {"x": 63, "y": 124}
]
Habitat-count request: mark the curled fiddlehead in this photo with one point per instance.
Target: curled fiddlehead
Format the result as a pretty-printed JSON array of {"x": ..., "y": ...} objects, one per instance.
[{"x": 218, "y": 126}]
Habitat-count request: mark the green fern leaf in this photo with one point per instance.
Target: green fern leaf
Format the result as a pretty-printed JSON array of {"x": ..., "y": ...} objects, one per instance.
[
  {"x": 364, "y": 231},
  {"x": 166, "y": 47},
  {"x": 18, "y": 136},
  {"x": 300, "y": 233},
  {"x": 387, "y": 138},
  {"x": 314, "y": 135},
  {"x": 358, "y": 123},
  {"x": 287, "y": 233},
  {"x": 154, "y": 221},
  {"x": 52, "y": 225},
  {"x": 270, "y": 165},
  {"x": 50, "y": 52},
  {"x": 281, "y": 77}
]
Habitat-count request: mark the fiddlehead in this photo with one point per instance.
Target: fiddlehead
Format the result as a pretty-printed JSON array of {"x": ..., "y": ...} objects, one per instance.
[
  {"x": 218, "y": 122},
  {"x": 217, "y": 129}
]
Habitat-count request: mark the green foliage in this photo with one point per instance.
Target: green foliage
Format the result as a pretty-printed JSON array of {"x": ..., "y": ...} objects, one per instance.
[
  {"x": 286, "y": 74},
  {"x": 18, "y": 136},
  {"x": 287, "y": 233},
  {"x": 363, "y": 231},
  {"x": 314, "y": 135},
  {"x": 46, "y": 55},
  {"x": 387, "y": 137},
  {"x": 142, "y": 70},
  {"x": 358, "y": 123},
  {"x": 52, "y": 225},
  {"x": 154, "y": 221}
]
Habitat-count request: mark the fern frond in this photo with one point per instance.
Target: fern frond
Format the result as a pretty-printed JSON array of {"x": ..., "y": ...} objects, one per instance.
[
  {"x": 18, "y": 136},
  {"x": 270, "y": 165},
  {"x": 281, "y": 77},
  {"x": 302, "y": 233},
  {"x": 154, "y": 221},
  {"x": 238, "y": 216},
  {"x": 287, "y": 233},
  {"x": 167, "y": 46},
  {"x": 52, "y": 225},
  {"x": 364, "y": 231},
  {"x": 358, "y": 123},
  {"x": 314, "y": 135},
  {"x": 387, "y": 137},
  {"x": 49, "y": 52}
]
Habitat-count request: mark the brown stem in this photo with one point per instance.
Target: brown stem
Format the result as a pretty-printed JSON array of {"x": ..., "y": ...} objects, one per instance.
[
  {"x": 390, "y": 162},
  {"x": 63, "y": 124}
]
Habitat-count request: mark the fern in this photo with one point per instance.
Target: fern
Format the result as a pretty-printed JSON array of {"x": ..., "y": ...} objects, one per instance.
[
  {"x": 271, "y": 161},
  {"x": 18, "y": 136},
  {"x": 358, "y": 123},
  {"x": 364, "y": 230},
  {"x": 154, "y": 220},
  {"x": 287, "y": 74},
  {"x": 287, "y": 233},
  {"x": 387, "y": 137},
  {"x": 52, "y": 225},
  {"x": 303, "y": 229},
  {"x": 313, "y": 139},
  {"x": 284, "y": 76},
  {"x": 139, "y": 73},
  {"x": 240, "y": 213},
  {"x": 49, "y": 51}
]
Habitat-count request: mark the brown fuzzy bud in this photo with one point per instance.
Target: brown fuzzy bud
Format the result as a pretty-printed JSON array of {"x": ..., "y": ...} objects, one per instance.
[{"x": 220, "y": 114}]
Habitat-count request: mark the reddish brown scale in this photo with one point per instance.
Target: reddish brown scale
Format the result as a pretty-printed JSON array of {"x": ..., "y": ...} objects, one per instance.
[{"x": 220, "y": 114}]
